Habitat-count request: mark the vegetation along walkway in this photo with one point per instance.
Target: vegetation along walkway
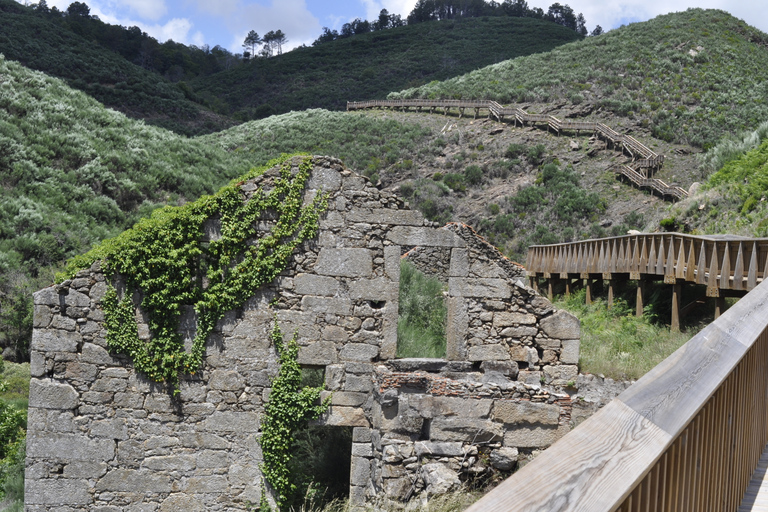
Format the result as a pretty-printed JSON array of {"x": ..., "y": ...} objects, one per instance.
[
  {"x": 638, "y": 172},
  {"x": 727, "y": 265}
]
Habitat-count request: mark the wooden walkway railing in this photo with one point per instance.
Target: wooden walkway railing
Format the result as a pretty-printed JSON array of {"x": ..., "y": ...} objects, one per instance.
[
  {"x": 727, "y": 265},
  {"x": 643, "y": 158},
  {"x": 685, "y": 437}
]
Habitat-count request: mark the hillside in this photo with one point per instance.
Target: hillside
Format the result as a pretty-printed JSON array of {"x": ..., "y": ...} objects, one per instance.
[
  {"x": 371, "y": 65},
  {"x": 73, "y": 172},
  {"x": 41, "y": 44},
  {"x": 688, "y": 77}
]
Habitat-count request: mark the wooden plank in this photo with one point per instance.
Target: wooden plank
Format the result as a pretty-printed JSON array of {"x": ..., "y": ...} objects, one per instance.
[
  {"x": 690, "y": 274},
  {"x": 600, "y": 461},
  {"x": 725, "y": 270},
  {"x": 713, "y": 286},
  {"x": 651, "y": 257},
  {"x": 738, "y": 269},
  {"x": 660, "y": 258},
  {"x": 680, "y": 264},
  {"x": 701, "y": 268},
  {"x": 672, "y": 392}
]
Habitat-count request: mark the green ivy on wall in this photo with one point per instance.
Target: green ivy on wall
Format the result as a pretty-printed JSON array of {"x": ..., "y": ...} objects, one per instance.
[
  {"x": 289, "y": 407},
  {"x": 166, "y": 260}
]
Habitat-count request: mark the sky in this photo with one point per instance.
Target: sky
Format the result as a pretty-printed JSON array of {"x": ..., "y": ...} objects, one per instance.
[{"x": 226, "y": 22}]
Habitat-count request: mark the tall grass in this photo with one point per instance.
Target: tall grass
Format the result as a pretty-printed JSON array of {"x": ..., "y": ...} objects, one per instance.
[
  {"x": 618, "y": 344},
  {"x": 421, "y": 326}
]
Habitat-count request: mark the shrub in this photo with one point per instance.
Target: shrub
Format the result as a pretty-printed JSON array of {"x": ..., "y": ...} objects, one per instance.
[
  {"x": 473, "y": 174},
  {"x": 455, "y": 182},
  {"x": 668, "y": 224},
  {"x": 515, "y": 150},
  {"x": 535, "y": 153}
]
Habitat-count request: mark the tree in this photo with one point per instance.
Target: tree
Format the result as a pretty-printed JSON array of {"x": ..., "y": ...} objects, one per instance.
[
  {"x": 79, "y": 9},
  {"x": 581, "y": 25},
  {"x": 252, "y": 40},
  {"x": 562, "y": 15},
  {"x": 516, "y": 8},
  {"x": 268, "y": 46},
  {"x": 42, "y": 7},
  {"x": 597, "y": 31},
  {"x": 279, "y": 40},
  {"x": 327, "y": 36}
]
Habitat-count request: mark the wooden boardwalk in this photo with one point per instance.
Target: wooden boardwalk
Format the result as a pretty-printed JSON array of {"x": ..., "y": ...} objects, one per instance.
[
  {"x": 756, "y": 497},
  {"x": 638, "y": 172},
  {"x": 727, "y": 265}
]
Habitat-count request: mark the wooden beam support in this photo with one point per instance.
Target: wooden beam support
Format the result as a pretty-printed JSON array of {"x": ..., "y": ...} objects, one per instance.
[
  {"x": 719, "y": 306},
  {"x": 588, "y": 285},
  {"x": 639, "y": 301},
  {"x": 677, "y": 290}
]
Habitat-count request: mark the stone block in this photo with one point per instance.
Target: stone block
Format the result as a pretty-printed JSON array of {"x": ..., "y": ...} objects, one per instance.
[
  {"x": 311, "y": 284},
  {"x": 226, "y": 380},
  {"x": 424, "y": 237},
  {"x": 488, "y": 353},
  {"x": 203, "y": 441},
  {"x": 504, "y": 458},
  {"x": 84, "y": 469},
  {"x": 36, "y": 364},
  {"x": 335, "y": 333},
  {"x": 570, "y": 352},
  {"x": 361, "y": 352},
  {"x": 319, "y": 353},
  {"x": 480, "y": 288},
  {"x": 334, "y": 375},
  {"x": 113, "y": 428},
  {"x": 181, "y": 502},
  {"x": 52, "y": 395},
  {"x": 98, "y": 291},
  {"x": 231, "y": 421},
  {"x": 70, "y": 446},
  {"x": 129, "y": 400},
  {"x": 548, "y": 344},
  {"x": 459, "y": 266},
  {"x": 379, "y": 288},
  {"x": 57, "y": 493},
  {"x": 457, "y": 324},
  {"x": 170, "y": 463},
  {"x": 560, "y": 375},
  {"x": 48, "y": 340},
  {"x": 109, "y": 385},
  {"x": 530, "y": 437},
  {"x": 517, "y": 412},
  {"x": 562, "y": 325},
  {"x": 430, "y": 406},
  {"x": 46, "y": 297},
  {"x": 512, "y": 318},
  {"x": 397, "y": 488},
  {"x": 325, "y": 179},
  {"x": 344, "y": 417},
  {"x": 439, "y": 478},
  {"x": 436, "y": 449},
  {"x": 360, "y": 471},
  {"x": 362, "y": 450},
  {"x": 346, "y": 262},
  {"x": 359, "y": 384},
  {"x": 466, "y": 430},
  {"x": 324, "y": 305},
  {"x": 51, "y": 420},
  {"x": 392, "y": 262},
  {"x": 481, "y": 268},
  {"x": 95, "y": 354},
  {"x": 361, "y": 435},
  {"x": 386, "y": 216},
  {"x": 76, "y": 299},
  {"x": 204, "y": 484},
  {"x": 62, "y": 322},
  {"x": 80, "y": 371},
  {"x": 348, "y": 399}
]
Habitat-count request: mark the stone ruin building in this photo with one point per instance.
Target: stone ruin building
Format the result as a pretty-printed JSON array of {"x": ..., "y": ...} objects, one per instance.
[{"x": 102, "y": 437}]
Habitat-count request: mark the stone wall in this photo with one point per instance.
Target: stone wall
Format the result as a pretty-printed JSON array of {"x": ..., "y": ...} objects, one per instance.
[{"x": 102, "y": 437}]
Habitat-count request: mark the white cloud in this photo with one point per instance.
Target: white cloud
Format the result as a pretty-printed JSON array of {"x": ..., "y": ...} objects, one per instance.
[
  {"x": 374, "y": 7},
  {"x": 147, "y": 9}
]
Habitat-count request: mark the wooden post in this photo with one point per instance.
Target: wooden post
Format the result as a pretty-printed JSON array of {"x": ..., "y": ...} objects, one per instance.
[
  {"x": 639, "y": 301},
  {"x": 677, "y": 289},
  {"x": 719, "y": 306},
  {"x": 588, "y": 284},
  {"x": 550, "y": 291},
  {"x": 610, "y": 293},
  {"x": 567, "y": 286}
]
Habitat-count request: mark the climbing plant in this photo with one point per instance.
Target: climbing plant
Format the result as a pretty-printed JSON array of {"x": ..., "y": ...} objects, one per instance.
[
  {"x": 166, "y": 260},
  {"x": 289, "y": 407}
]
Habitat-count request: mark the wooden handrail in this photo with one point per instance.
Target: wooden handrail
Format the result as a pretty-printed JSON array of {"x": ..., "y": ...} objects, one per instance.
[
  {"x": 648, "y": 159},
  {"x": 721, "y": 263},
  {"x": 686, "y": 436}
]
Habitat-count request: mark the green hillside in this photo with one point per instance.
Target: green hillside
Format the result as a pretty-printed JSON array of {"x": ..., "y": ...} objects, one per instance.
[
  {"x": 41, "y": 44},
  {"x": 371, "y": 65},
  {"x": 689, "y": 77}
]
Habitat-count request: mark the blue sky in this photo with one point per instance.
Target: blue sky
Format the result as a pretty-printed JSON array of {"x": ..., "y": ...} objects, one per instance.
[{"x": 226, "y": 22}]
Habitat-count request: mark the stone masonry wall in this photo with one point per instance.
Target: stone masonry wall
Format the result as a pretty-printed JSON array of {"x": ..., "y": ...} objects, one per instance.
[{"x": 102, "y": 437}]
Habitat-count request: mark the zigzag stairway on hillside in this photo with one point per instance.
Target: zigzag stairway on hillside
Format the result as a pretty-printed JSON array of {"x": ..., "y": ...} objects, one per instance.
[{"x": 638, "y": 172}]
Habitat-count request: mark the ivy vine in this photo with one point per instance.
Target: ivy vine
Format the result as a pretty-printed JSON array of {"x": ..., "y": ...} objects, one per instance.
[
  {"x": 165, "y": 259},
  {"x": 289, "y": 407}
]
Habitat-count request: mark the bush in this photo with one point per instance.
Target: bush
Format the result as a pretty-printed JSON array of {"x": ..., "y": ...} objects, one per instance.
[
  {"x": 515, "y": 150},
  {"x": 473, "y": 174},
  {"x": 536, "y": 153},
  {"x": 455, "y": 182}
]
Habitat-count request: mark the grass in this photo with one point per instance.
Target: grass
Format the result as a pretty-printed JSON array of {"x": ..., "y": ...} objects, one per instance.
[
  {"x": 423, "y": 312},
  {"x": 617, "y": 344}
]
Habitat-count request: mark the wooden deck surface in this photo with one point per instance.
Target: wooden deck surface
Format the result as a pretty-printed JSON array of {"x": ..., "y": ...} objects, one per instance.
[{"x": 756, "y": 497}]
